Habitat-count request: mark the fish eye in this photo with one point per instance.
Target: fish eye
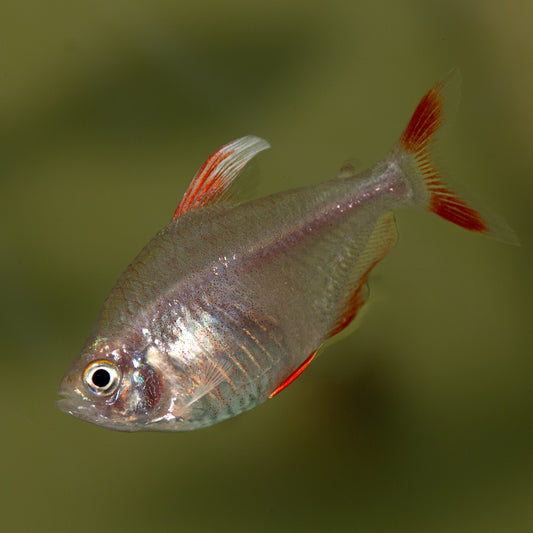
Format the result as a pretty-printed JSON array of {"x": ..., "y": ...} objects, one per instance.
[{"x": 102, "y": 378}]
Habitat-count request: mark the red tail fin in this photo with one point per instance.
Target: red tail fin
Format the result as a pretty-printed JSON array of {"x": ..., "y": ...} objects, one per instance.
[{"x": 418, "y": 140}]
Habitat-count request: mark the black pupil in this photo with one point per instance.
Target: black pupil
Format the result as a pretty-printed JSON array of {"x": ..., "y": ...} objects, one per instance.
[{"x": 101, "y": 378}]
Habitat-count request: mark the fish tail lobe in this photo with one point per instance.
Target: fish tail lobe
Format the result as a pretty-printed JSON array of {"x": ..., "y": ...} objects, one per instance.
[{"x": 418, "y": 148}]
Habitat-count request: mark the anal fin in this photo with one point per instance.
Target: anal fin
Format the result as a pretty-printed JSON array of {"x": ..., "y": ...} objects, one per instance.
[
  {"x": 380, "y": 242},
  {"x": 295, "y": 374}
]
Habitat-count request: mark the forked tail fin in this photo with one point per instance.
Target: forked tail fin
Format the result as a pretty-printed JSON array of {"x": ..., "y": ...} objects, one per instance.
[{"x": 431, "y": 191}]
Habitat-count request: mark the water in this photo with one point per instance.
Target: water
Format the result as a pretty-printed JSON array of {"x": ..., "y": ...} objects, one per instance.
[{"x": 107, "y": 112}]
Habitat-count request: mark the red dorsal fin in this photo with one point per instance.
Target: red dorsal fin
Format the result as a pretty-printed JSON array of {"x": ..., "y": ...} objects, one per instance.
[
  {"x": 216, "y": 176},
  {"x": 379, "y": 243},
  {"x": 287, "y": 381}
]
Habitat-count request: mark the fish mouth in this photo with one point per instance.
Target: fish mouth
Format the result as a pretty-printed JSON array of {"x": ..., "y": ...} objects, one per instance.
[
  {"x": 66, "y": 401},
  {"x": 71, "y": 400},
  {"x": 71, "y": 396},
  {"x": 65, "y": 404},
  {"x": 88, "y": 413},
  {"x": 69, "y": 406}
]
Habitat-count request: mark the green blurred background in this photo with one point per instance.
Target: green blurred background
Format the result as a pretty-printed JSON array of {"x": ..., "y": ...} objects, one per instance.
[{"x": 421, "y": 419}]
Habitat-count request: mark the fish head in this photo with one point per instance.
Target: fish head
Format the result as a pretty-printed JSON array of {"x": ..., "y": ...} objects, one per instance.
[{"x": 111, "y": 386}]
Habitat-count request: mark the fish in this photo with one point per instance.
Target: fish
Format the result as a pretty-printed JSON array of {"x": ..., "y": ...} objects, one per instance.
[{"x": 230, "y": 302}]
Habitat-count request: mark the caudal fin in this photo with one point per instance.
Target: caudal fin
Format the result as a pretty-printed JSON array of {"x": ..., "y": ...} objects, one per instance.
[{"x": 431, "y": 191}]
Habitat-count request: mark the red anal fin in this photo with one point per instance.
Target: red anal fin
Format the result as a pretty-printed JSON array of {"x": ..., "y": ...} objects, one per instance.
[
  {"x": 293, "y": 376},
  {"x": 213, "y": 181},
  {"x": 352, "y": 306},
  {"x": 379, "y": 244}
]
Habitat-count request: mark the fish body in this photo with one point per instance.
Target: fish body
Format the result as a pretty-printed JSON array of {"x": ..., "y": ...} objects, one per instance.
[{"x": 230, "y": 302}]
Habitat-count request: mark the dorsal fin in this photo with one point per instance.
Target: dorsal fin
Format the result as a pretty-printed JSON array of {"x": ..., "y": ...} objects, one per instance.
[
  {"x": 212, "y": 183},
  {"x": 379, "y": 244}
]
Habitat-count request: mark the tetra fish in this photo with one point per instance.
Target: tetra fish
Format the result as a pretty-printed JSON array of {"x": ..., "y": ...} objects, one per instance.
[{"x": 229, "y": 303}]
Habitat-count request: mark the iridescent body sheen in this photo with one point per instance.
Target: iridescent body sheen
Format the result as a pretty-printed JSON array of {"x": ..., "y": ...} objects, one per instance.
[{"x": 227, "y": 302}]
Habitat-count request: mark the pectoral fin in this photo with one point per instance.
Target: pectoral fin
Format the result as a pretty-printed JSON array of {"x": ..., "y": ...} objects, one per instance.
[
  {"x": 209, "y": 375},
  {"x": 379, "y": 244}
]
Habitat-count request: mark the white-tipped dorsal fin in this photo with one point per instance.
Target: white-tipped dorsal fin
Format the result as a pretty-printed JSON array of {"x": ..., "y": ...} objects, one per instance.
[{"x": 214, "y": 181}]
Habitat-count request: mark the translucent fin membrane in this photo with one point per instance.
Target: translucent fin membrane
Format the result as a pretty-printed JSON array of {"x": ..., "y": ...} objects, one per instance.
[
  {"x": 419, "y": 141},
  {"x": 379, "y": 244},
  {"x": 214, "y": 181}
]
